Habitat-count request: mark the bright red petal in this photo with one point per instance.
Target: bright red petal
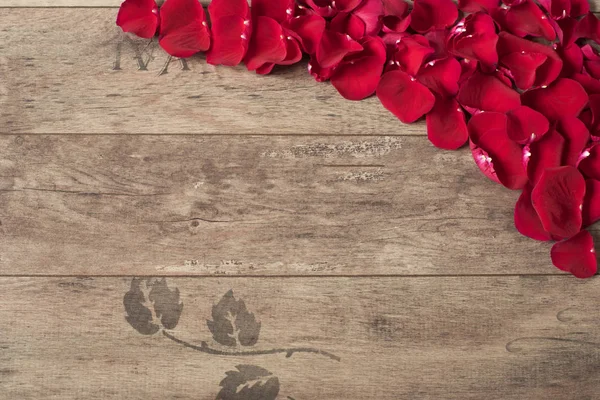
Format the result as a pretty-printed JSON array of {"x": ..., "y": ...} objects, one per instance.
[
  {"x": 433, "y": 14},
  {"x": 441, "y": 76},
  {"x": 357, "y": 76},
  {"x": 545, "y": 153},
  {"x": 473, "y": 6},
  {"x": 591, "y": 203},
  {"x": 446, "y": 126},
  {"x": 576, "y": 137},
  {"x": 527, "y": 220},
  {"x": 487, "y": 93},
  {"x": 334, "y": 47},
  {"x": 558, "y": 198},
  {"x": 348, "y": 24},
  {"x": 564, "y": 98},
  {"x": 183, "y": 28},
  {"x": 371, "y": 12},
  {"x": 228, "y": 8},
  {"x": 526, "y": 125},
  {"x": 404, "y": 96},
  {"x": 411, "y": 52},
  {"x": 522, "y": 67},
  {"x": 230, "y": 41},
  {"x": 590, "y": 162},
  {"x": 279, "y": 10},
  {"x": 310, "y": 28},
  {"x": 475, "y": 38},
  {"x": 293, "y": 52},
  {"x": 527, "y": 19},
  {"x": 268, "y": 44},
  {"x": 576, "y": 255},
  {"x": 139, "y": 17},
  {"x": 397, "y": 16}
]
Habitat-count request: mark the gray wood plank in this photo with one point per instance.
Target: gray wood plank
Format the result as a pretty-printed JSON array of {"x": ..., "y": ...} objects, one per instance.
[
  {"x": 110, "y": 205},
  {"x": 496, "y": 338},
  {"x": 72, "y": 71}
]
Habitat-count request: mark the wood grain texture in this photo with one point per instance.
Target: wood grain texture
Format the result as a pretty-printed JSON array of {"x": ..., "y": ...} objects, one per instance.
[
  {"x": 59, "y": 77},
  {"x": 398, "y": 338},
  {"x": 253, "y": 205}
]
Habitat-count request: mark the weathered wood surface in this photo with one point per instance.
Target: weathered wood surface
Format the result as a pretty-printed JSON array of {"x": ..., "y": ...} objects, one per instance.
[
  {"x": 110, "y": 205},
  {"x": 398, "y": 338},
  {"x": 58, "y": 76}
]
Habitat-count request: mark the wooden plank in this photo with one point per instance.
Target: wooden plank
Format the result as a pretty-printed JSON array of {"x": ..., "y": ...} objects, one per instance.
[
  {"x": 595, "y": 4},
  {"x": 397, "y": 338},
  {"x": 134, "y": 205},
  {"x": 58, "y": 76}
]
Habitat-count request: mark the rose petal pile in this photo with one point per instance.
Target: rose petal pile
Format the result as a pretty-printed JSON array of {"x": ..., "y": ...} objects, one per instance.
[{"x": 516, "y": 79}]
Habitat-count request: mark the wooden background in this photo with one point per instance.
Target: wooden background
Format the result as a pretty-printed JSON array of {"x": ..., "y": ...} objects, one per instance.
[{"x": 341, "y": 229}]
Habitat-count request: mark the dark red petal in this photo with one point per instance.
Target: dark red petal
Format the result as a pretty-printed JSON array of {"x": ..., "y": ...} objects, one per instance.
[
  {"x": 576, "y": 255},
  {"x": 357, "y": 76},
  {"x": 320, "y": 74},
  {"x": 590, "y": 162},
  {"x": 347, "y": 5},
  {"x": 475, "y": 38},
  {"x": 433, "y": 14},
  {"x": 446, "y": 126},
  {"x": 564, "y": 98},
  {"x": 589, "y": 27},
  {"x": 228, "y": 8},
  {"x": 397, "y": 16},
  {"x": 522, "y": 67},
  {"x": 267, "y": 45},
  {"x": 526, "y": 125},
  {"x": 487, "y": 93},
  {"x": 230, "y": 40},
  {"x": 558, "y": 198},
  {"x": 265, "y": 69},
  {"x": 591, "y": 203},
  {"x": 334, "y": 47},
  {"x": 139, "y": 17},
  {"x": 576, "y": 137},
  {"x": 411, "y": 53},
  {"x": 279, "y": 10},
  {"x": 545, "y": 153},
  {"x": 441, "y": 76},
  {"x": 473, "y": 6},
  {"x": 310, "y": 28},
  {"x": 579, "y": 8},
  {"x": 293, "y": 51},
  {"x": 404, "y": 96},
  {"x": 572, "y": 59},
  {"x": 349, "y": 24},
  {"x": 527, "y": 220},
  {"x": 488, "y": 130},
  {"x": 589, "y": 84},
  {"x": 371, "y": 12},
  {"x": 591, "y": 61},
  {"x": 527, "y": 19},
  {"x": 594, "y": 102},
  {"x": 183, "y": 28}
]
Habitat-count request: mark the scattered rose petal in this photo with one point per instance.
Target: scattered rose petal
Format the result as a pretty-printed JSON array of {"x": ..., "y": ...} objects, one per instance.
[
  {"x": 433, "y": 14},
  {"x": 446, "y": 126},
  {"x": 487, "y": 93},
  {"x": 576, "y": 255},
  {"x": 139, "y": 17},
  {"x": 564, "y": 98},
  {"x": 527, "y": 220},
  {"x": 526, "y": 125},
  {"x": 183, "y": 28},
  {"x": 404, "y": 96}
]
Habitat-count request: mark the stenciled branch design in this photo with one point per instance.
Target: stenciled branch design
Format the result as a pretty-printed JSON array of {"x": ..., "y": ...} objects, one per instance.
[{"x": 205, "y": 348}]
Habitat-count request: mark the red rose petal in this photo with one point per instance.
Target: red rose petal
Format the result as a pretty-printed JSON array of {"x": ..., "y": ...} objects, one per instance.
[
  {"x": 411, "y": 52},
  {"x": 404, "y": 96},
  {"x": 572, "y": 59},
  {"x": 441, "y": 76},
  {"x": 446, "y": 126},
  {"x": 334, "y": 47},
  {"x": 589, "y": 27},
  {"x": 558, "y": 198},
  {"x": 545, "y": 153},
  {"x": 371, "y": 12},
  {"x": 589, "y": 84},
  {"x": 564, "y": 98},
  {"x": 475, "y": 38},
  {"x": 527, "y": 19},
  {"x": 523, "y": 66},
  {"x": 527, "y": 220},
  {"x": 183, "y": 28},
  {"x": 349, "y": 24},
  {"x": 487, "y": 93},
  {"x": 576, "y": 255},
  {"x": 293, "y": 52},
  {"x": 526, "y": 125},
  {"x": 589, "y": 164},
  {"x": 576, "y": 137},
  {"x": 267, "y": 45},
  {"x": 279, "y": 10},
  {"x": 230, "y": 40},
  {"x": 433, "y": 14},
  {"x": 310, "y": 28},
  {"x": 591, "y": 203},
  {"x": 473, "y": 6},
  {"x": 320, "y": 74},
  {"x": 228, "y": 8},
  {"x": 358, "y": 75},
  {"x": 396, "y": 16},
  {"x": 139, "y": 17}
]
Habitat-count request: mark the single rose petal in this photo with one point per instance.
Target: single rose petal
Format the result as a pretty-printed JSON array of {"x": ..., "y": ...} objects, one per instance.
[
  {"x": 334, "y": 47},
  {"x": 404, "y": 96},
  {"x": 230, "y": 40},
  {"x": 473, "y": 6},
  {"x": 310, "y": 28},
  {"x": 433, "y": 14},
  {"x": 589, "y": 163},
  {"x": 411, "y": 52},
  {"x": 441, "y": 76},
  {"x": 183, "y": 28},
  {"x": 446, "y": 126},
  {"x": 348, "y": 24},
  {"x": 564, "y": 98},
  {"x": 396, "y": 16},
  {"x": 545, "y": 153},
  {"x": 279, "y": 10},
  {"x": 527, "y": 220},
  {"x": 576, "y": 255},
  {"x": 523, "y": 66},
  {"x": 576, "y": 137},
  {"x": 267, "y": 45},
  {"x": 487, "y": 93},
  {"x": 293, "y": 52},
  {"x": 526, "y": 125},
  {"x": 558, "y": 197},
  {"x": 139, "y": 17},
  {"x": 358, "y": 75},
  {"x": 228, "y": 8},
  {"x": 591, "y": 203},
  {"x": 488, "y": 131},
  {"x": 526, "y": 19},
  {"x": 371, "y": 13},
  {"x": 475, "y": 38}
]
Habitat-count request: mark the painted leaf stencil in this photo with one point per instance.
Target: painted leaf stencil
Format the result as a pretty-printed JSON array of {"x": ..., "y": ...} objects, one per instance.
[
  {"x": 150, "y": 305},
  {"x": 232, "y": 324},
  {"x": 249, "y": 382}
]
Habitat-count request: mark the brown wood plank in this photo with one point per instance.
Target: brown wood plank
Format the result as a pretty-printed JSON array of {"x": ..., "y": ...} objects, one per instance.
[
  {"x": 397, "y": 338},
  {"x": 58, "y": 76},
  {"x": 134, "y": 205}
]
